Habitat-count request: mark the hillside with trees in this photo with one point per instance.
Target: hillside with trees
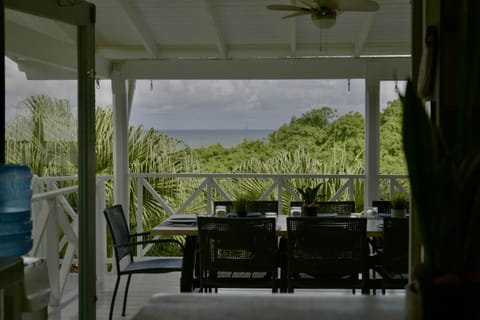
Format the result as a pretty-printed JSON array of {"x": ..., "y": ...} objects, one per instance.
[{"x": 336, "y": 141}]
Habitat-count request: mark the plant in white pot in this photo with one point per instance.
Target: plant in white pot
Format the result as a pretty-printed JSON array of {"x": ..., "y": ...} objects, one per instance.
[{"x": 399, "y": 205}]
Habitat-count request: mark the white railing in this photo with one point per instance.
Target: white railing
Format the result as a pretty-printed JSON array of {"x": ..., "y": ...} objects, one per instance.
[{"x": 55, "y": 233}]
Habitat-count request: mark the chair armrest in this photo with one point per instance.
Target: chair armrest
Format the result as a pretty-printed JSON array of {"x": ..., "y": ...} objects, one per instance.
[
  {"x": 134, "y": 243},
  {"x": 133, "y": 235}
]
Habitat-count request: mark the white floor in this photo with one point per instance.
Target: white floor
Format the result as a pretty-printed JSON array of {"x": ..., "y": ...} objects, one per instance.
[{"x": 142, "y": 287}]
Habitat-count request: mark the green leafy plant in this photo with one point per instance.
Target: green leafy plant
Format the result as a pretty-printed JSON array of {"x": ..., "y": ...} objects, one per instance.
[
  {"x": 399, "y": 200},
  {"x": 310, "y": 194},
  {"x": 445, "y": 187}
]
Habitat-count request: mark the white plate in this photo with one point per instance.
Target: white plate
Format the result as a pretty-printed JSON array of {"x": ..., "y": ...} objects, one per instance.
[{"x": 183, "y": 218}]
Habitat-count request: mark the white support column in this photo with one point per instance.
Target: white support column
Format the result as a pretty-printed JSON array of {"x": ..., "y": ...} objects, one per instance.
[
  {"x": 132, "y": 83},
  {"x": 372, "y": 138},
  {"x": 120, "y": 138}
]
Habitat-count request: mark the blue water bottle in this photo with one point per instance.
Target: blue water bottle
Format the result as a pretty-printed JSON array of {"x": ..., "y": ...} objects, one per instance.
[{"x": 15, "y": 210}]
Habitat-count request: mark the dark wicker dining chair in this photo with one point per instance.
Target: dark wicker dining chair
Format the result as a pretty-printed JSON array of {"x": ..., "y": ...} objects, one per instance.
[
  {"x": 327, "y": 253},
  {"x": 391, "y": 262},
  {"x": 237, "y": 253},
  {"x": 261, "y": 206},
  {"x": 383, "y": 206},
  {"x": 338, "y": 207},
  {"x": 123, "y": 245}
]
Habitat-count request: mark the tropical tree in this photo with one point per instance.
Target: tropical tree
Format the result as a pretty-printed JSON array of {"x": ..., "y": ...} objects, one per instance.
[{"x": 43, "y": 137}]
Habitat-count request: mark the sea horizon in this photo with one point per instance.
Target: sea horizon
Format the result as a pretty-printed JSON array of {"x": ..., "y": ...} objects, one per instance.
[{"x": 197, "y": 138}]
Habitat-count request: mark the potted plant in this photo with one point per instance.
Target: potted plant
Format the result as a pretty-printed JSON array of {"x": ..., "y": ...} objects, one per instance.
[
  {"x": 310, "y": 196},
  {"x": 240, "y": 205},
  {"x": 399, "y": 205}
]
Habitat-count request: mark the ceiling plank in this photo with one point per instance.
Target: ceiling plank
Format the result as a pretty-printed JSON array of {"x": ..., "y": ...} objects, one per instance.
[
  {"x": 81, "y": 14},
  {"x": 19, "y": 42},
  {"x": 138, "y": 22},
  {"x": 293, "y": 34},
  {"x": 212, "y": 18},
  {"x": 363, "y": 35},
  {"x": 293, "y": 38}
]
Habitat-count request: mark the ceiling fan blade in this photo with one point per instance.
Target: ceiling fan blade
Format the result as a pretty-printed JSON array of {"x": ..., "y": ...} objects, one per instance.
[
  {"x": 296, "y": 14},
  {"x": 332, "y": 4},
  {"x": 286, "y": 7},
  {"x": 310, "y": 3},
  {"x": 357, "y": 5}
]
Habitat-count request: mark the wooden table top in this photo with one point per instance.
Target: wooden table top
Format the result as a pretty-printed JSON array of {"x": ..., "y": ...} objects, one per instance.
[{"x": 374, "y": 227}]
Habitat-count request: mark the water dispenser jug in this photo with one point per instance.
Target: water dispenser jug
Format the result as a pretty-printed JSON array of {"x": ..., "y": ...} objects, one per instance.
[{"x": 15, "y": 210}]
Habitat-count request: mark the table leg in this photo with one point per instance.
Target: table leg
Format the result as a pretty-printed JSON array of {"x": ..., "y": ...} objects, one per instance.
[{"x": 186, "y": 279}]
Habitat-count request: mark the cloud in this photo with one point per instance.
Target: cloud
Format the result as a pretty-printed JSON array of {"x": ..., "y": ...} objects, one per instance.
[{"x": 209, "y": 104}]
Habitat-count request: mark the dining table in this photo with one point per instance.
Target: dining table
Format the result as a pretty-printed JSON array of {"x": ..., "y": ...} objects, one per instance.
[{"x": 185, "y": 225}]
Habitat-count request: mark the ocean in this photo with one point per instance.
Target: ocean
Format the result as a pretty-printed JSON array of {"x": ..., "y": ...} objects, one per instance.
[{"x": 227, "y": 138}]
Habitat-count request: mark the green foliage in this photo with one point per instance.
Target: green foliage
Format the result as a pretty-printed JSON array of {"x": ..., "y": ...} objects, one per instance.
[{"x": 392, "y": 159}]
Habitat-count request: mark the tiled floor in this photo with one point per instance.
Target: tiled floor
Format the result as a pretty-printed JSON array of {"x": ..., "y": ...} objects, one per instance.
[{"x": 142, "y": 287}]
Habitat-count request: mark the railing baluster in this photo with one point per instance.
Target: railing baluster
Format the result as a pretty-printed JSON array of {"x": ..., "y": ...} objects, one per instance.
[{"x": 139, "y": 214}]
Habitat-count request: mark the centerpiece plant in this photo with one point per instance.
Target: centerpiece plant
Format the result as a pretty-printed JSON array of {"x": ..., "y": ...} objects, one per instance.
[
  {"x": 240, "y": 204},
  {"x": 399, "y": 204},
  {"x": 310, "y": 195}
]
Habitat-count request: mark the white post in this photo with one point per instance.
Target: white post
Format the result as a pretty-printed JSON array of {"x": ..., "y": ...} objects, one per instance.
[
  {"x": 372, "y": 138},
  {"x": 51, "y": 253},
  {"x": 120, "y": 143}
]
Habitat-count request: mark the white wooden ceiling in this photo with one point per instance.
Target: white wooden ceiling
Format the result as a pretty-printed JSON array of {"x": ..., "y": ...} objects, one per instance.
[{"x": 215, "y": 39}]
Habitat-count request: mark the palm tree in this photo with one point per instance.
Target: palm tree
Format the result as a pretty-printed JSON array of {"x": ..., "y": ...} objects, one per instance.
[{"x": 43, "y": 137}]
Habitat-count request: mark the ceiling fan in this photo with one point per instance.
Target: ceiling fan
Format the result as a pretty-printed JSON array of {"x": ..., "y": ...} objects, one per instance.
[{"x": 324, "y": 12}]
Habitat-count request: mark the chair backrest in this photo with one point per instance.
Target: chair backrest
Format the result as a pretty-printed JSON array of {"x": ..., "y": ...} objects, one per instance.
[
  {"x": 227, "y": 203},
  {"x": 118, "y": 227},
  {"x": 338, "y": 207},
  {"x": 383, "y": 206},
  {"x": 262, "y": 206},
  {"x": 395, "y": 245},
  {"x": 327, "y": 245},
  {"x": 237, "y": 244}
]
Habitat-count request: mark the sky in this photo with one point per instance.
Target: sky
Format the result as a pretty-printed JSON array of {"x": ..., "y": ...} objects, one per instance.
[{"x": 207, "y": 104}]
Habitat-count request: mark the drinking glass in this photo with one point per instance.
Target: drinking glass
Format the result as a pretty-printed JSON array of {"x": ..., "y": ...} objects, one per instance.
[
  {"x": 220, "y": 211},
  {"x": 372, "y": 212},
  {"x": 295, "y": 211}
]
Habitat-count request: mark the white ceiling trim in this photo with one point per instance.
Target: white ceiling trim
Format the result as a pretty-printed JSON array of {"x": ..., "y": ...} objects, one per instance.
[
  {"x": 328, "y": 68},
  {"x": 220, "y": 40},
  {"x": 138, "y": 22}
]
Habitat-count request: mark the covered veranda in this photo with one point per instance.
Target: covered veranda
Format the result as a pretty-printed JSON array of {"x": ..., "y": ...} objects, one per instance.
[{"x": 197, "y": 40}]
